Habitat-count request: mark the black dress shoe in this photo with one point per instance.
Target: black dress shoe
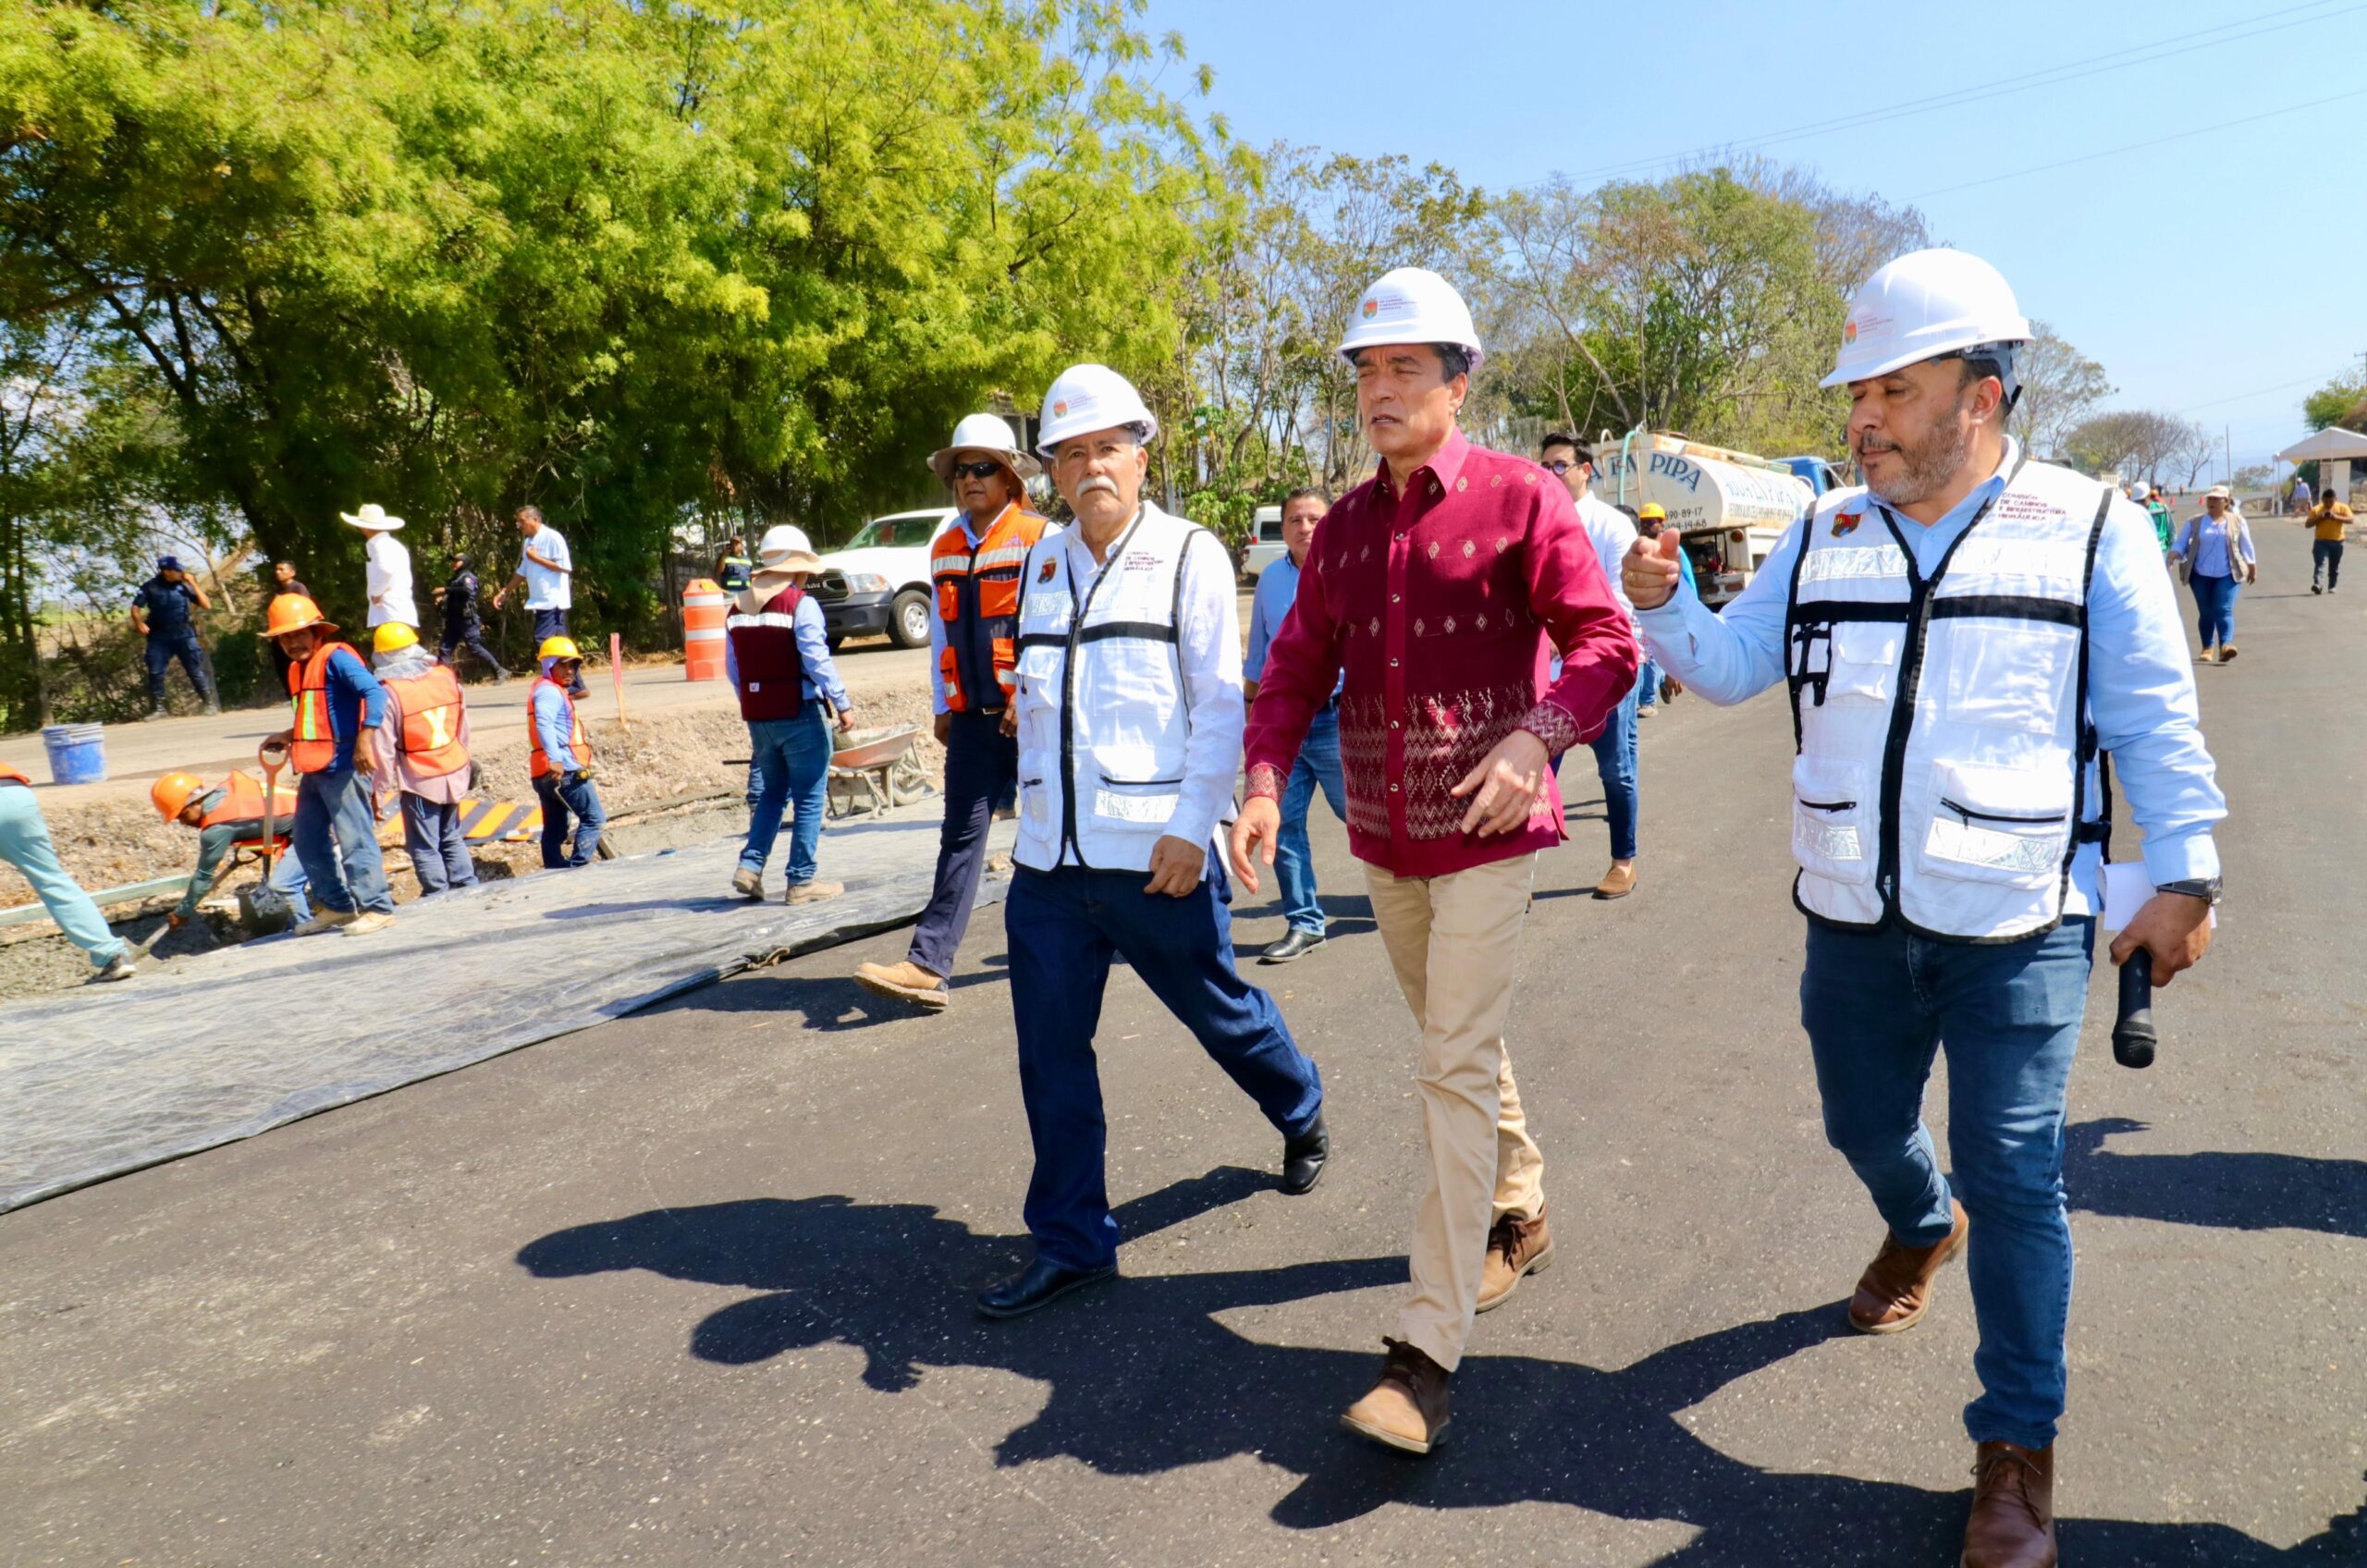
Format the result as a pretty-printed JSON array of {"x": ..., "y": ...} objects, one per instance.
[
  {"x": 1303, "y": 1157},
  {"x": 1038, "y": 1284},
  {"x": 1296, "y": 943}
]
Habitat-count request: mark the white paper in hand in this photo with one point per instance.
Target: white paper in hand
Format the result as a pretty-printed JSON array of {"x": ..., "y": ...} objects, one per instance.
[{"x": 2125, "y": 888}]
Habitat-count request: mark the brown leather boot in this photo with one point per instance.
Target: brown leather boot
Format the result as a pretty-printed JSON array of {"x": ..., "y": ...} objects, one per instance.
[
  {"x": 1407, "y": 1408},
  {"x": 1897, "y": 1287},
  {"x": 1516, "y": 1248},
  {"x": 2013, "y": 1508}
]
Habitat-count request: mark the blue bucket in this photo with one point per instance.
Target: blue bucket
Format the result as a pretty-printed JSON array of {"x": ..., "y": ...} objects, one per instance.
[{"x": 77, "y": 753}]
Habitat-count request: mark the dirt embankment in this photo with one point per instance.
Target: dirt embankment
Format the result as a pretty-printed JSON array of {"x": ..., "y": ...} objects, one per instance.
[{"x": 655, "y": 761}]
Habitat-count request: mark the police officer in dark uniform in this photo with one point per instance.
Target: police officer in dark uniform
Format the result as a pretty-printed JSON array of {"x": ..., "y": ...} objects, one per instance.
[
  {"x": 164, "y": 611},
  {"x": 463, "y": 628}
]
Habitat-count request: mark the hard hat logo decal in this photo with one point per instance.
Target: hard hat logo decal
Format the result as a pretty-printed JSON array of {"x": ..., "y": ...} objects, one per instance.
[
  {"x": 1849, "y": 331},
  {"x": 1060, "y": 409},
  {"x": 1372, "y": 308}
]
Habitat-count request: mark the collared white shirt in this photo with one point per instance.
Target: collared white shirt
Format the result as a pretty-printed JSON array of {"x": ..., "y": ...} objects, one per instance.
[{"x": 388, "y": 579}]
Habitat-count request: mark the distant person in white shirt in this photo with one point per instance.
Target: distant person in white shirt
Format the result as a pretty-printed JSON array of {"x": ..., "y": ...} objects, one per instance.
[
  {"x": 389, "y": 567},
  {"x": 548, "y": 572}
]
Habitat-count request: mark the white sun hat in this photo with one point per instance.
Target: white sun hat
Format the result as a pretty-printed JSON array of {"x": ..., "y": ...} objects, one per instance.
[
  {"x": 373, "y": 518},
  {"x": 987, "y": 434}
]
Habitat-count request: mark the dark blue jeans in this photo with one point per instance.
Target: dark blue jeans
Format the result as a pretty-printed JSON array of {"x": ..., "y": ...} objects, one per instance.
[
  {"x": 337, "y": 838},
  {"x": 1319, "y": 764},
  {"x": 2214, "y": 608},
  {"x": 1877, "y": 1007},
  {"x": 1614, "y": 763},
  {"x": 789, "y": 760},
  {"x": 162, "y": 649},
  {"x": 2325, "y": 561},
  {"x": 1064, "y": 928},
  {"x": 981, "y": 768},
  {"x": 560, "y": 800}
]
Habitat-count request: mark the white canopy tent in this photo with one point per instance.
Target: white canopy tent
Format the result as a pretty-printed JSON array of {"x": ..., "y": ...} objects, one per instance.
[{"x": 2332, "y": 448}]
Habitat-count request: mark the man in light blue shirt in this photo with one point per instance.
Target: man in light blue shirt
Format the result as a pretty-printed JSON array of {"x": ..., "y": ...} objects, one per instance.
[
  {"x": 1928, "y": 653},
  {"x": 1319, "y": 756}
]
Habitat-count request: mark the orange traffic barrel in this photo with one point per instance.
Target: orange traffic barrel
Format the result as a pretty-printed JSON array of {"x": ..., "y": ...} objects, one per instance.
[{"x": 705, "y": 603}]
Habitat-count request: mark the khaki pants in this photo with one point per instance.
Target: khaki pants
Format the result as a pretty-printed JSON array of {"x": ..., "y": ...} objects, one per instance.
[{"x": 1455, "y": 941}]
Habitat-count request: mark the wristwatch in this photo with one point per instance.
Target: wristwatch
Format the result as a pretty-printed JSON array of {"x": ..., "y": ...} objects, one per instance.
[{"x": 2204, "y": 888}]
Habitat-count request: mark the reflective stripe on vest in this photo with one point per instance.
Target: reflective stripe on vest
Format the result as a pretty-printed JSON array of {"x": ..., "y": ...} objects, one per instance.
[
  {"x": 242, "y": 802},
  {"x": 427, "y": 710},
  {"x": 1947, "y": 774},
  {"x": 763, "y": 650},
  {"x": 537, "y": 763},
  {"x": 313, "y": 746},
  {"x": 990, "y": 578},
  {"x": 1104, "y": 725}
]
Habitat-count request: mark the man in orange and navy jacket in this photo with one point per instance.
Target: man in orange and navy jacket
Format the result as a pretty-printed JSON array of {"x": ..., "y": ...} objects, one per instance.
[
  {"x": 336, "y": 701},
  {"x": 975, "y": 566}
]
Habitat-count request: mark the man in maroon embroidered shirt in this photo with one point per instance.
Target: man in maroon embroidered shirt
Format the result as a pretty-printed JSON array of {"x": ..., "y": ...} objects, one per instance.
[{"x": 1443, "y": 585}]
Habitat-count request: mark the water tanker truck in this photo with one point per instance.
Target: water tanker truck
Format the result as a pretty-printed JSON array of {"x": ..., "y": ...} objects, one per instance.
[{"x": 1729, "y": 507}]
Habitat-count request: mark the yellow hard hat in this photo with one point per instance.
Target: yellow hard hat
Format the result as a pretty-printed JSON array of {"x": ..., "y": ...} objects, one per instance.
[
  {"x": 1653, "y": 511},
  {"x": 392, "y": 637},
  {"x": 293, "y": 612},
  {"x": 173, "y": 793},
  {"x": 557, "y": 648}
]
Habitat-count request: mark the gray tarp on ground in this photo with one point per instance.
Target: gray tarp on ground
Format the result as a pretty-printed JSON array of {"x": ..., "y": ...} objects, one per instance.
[{"x": 104, "y": 1079}]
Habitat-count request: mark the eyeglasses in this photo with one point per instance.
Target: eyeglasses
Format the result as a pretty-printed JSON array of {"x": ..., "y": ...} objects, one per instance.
[
  {"x": 985, "y": 468},
  {"x": 1560, "y": 466}
]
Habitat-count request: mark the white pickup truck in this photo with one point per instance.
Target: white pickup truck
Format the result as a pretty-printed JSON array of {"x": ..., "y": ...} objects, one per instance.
[
  {"x": 1730, "y": 506},
  {"x": 879, "y": 583}
]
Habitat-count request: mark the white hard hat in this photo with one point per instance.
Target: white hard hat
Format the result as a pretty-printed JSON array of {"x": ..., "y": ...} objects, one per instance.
[
  {"x": 1085, "y": 397},
  {"x": 1921, "y": 306},
  {"x": 982, "y": 432},
  {"x": 1411, "y": 305},
  {"x": 786, "y": 548}
]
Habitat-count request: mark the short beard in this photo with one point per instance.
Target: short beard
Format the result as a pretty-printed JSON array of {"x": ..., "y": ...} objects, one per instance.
[{"x": 1929, "y": 467}]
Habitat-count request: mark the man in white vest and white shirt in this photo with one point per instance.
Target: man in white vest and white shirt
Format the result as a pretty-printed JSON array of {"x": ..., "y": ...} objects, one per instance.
[
  {"x": 1965, "y": 638},
  {"x": 1129, "y": 713}
]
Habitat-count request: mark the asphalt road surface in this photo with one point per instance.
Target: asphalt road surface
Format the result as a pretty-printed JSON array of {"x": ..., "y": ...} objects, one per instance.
[{"x": 692, "y": 1287}]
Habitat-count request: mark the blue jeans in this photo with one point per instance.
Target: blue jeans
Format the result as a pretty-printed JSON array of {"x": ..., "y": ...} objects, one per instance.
[
  {"x": 24, "y": 843},
  {"x": 1648, "y": 683},
  {"x": 560, "y": 800},
  {"x": 162, "y": 649},
  {"x": 1614, "y": 763},
  {"x": 337, "y": 840},
  {"x": 981, "y": 769},
  {"x": 789, "y": 759},
  {"x": 2214, "y": 608},
  {"x": 439, "y": 850},
  {"x": 1877, "y": 1006},
  {"x": 1319, "y": 763},
  {"x": 2325, "y": 561},
  {"x": 1064, "y": 928}
]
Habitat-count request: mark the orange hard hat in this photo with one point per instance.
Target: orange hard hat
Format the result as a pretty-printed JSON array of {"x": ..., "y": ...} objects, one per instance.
[
  {"x": 173, "y": 793},
  {"x": 294, "y": 612}
]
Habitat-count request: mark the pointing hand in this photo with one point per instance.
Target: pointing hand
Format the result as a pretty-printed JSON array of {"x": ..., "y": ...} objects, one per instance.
[{"x": 1649, "y": 573}]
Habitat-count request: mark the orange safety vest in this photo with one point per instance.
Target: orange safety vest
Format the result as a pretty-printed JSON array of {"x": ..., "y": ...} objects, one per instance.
[
  {"x": 990, "y": 574},
  {"x": 242, "y": 802},
  {"x": 427, "y": 722},
  {"x": 315, "y": 744},
  {"x": 538, "y": 765}
]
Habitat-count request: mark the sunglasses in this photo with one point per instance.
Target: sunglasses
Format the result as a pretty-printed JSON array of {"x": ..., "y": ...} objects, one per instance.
[{"x": 985, "y": 468}]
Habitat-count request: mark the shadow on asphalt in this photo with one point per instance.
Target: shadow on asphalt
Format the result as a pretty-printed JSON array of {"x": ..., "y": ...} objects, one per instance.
[
  {"x": 2225, "y": 1190},
  {"x": 1145, "y": 1379}
]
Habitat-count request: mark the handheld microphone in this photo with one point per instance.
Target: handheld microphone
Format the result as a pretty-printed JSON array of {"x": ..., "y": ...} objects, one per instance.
[{"x": 2132, "y": 1032}]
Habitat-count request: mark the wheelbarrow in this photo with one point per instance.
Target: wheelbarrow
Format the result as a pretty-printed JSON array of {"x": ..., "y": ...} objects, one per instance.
[{"x": 873, "y": 769}]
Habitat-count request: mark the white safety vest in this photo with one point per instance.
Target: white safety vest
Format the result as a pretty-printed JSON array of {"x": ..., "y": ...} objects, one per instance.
[
  {"x": 1103, "y": 718},
  {"x": 1948, "y": 771}
]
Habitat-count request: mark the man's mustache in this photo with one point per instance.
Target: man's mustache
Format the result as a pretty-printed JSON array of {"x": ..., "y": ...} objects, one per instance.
[{"x": 1097, "y": 482}]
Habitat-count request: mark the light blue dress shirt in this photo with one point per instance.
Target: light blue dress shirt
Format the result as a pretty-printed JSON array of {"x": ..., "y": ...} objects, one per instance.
[
  {"x": 813, "y": 647},
  {"x": 2204, "y": 542},
  {"x": 550, "y": 709},
  {"x": 2141, "y": 684},
  {"x": 1269, "y": 608}
]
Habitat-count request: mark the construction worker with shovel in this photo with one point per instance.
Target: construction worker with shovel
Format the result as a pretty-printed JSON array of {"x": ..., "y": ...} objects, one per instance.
[
  {"x": 336, "y": 702},
  {"x": 237, "y": 814}
]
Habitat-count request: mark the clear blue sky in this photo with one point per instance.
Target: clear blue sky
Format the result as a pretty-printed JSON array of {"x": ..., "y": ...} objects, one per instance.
[{"x": 2206, "y": 274}]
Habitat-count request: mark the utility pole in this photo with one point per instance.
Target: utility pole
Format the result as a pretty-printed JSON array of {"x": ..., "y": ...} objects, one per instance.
[{"x": 2228, "y": 443}]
